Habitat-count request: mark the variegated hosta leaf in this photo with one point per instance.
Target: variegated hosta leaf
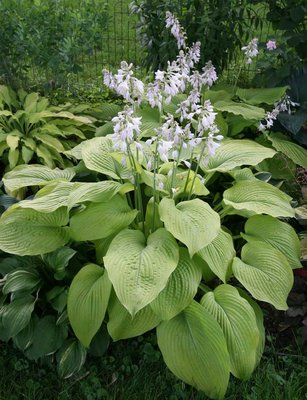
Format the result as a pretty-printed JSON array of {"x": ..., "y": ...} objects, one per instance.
[
  {"x": 277, "y": 233},
  {"x": 34, "y": 175},
  {"x": 140, "y": 270},
  {"x": 194, "y": 349},
  {"x": 70, "y": 358},
  {"x": 100, "y": 220},
  {"x": 122, "y": 326},
  {"x": 234, "y": 153},
  {"x": 29, "y": 232},
  {"x": 258, "y": 198},
  {"x": 193, "y": 222},
  {"x": 265, "y": 273},
  {"x": 87, "y": 301},
  {"x": 238, "y": 321},
  {"x": 219, "y": 255},
  {"x": 292, "y": 150},
  {"x": 180, "y": 290}
]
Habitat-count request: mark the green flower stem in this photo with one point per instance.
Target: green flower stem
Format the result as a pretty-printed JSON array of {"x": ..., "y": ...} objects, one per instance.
[
  {"x": 197, "y": 168},
  {"x": 154, "y": 186},
  {"x": 204, "y": 288}
]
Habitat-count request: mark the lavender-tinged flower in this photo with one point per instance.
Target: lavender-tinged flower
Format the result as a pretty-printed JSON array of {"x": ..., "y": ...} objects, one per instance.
[
  {"x": 271, "y": 45},
  {"x": 163, "y": 149},
  {"x": 284, "y": 104},
  {"x": 154, "y": 95},
  {"x": 131, "y": 88},
  {"x": 176, "y": 30},
  {"x": 126, "y": 129},
  {"x": 209, "y": 75},
  {"x": 250, "y": 51}
]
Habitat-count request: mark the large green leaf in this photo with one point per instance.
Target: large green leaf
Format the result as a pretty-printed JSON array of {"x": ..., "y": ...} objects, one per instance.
[
  {"x": 71, "y": 358},
  {"x": 96, "y": 156},
  {"x": 48, "y": 337},
  {"x": 50, "y": 197},
  {"x": 140, "y": 270},
  {"x": 292, "y": 150},
  {"x": 29, "y": 232},
  {"x": 180, "y": 290},
  {"x": 100, "y": 220},
  {"x": 192, "y": 222},
  {"x": 238, "y": 321},
  {"x": 259, "y": 320},
  {"x": 234, "y": 153},
  {"x": 219, "y": 255},
  {"x": 262, "y": 95},
  {"x": 247, "y": 111},
  {"x": 34, "y": 175},
  {"x": 194, "y": 349},
  {"x": 87, "y": 301},
  {"x": 265, "y": 273},
  {"x": 258, "y": 198},
  {"x": 278, "y": 234},
  {"x": 16, "y": 315},
  {"x": 122, "y": 326}
]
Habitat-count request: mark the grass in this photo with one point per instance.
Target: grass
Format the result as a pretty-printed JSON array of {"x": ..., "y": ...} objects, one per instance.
[{"x": 134, "y": 370}]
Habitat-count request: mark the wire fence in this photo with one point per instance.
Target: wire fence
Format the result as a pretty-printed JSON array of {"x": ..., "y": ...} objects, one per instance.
[{"x": 118, "y": 41}]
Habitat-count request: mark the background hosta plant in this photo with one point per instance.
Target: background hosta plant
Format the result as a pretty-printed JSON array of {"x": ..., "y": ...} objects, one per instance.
[
  {"x": 154, "y": 224},
  {"x": 33, "y": 131}
]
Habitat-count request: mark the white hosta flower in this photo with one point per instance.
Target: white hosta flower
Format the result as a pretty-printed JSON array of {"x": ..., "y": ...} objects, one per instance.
[
  {"x": 209, "y": 75},
  {"x": 154, "y": 95},
  {"x": 213, "y": 143},
  {"x": 126, "y": 129},
  {"x": 176, "y": 29},
  {"x": 163, "y": 149},
  {"x": 108, "y": 79},
  {"x": 251, "y": 50},
  {"x": 283, "y": 105}
]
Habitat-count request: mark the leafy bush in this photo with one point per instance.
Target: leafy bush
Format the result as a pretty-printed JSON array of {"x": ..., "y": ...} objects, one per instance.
[
  {"x": 33, "y": 131},
  {"x": 173, "y": 227},
  {"x": 52, "y": 36},
  {"x": 219, "y": 25}
]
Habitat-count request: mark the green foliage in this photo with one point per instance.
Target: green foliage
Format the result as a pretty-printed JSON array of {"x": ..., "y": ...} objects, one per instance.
[
  {"x": 217, "y": 24},
  {"x": 132, "y": 247},
  {"x": 49, "y": 35},
  {"x": 33, "y": 131}
]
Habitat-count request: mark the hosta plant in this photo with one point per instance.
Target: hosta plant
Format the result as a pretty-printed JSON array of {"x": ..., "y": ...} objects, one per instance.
[
  {"x": 33, "y": 131},
  {"x": 187, "y": 229}
]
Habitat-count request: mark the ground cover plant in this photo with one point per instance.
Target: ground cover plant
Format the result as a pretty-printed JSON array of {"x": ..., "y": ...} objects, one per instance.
[{"x": 171, "y": 222}]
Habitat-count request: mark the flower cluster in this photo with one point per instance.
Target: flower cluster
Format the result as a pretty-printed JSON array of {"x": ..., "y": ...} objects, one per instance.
[
  {"x": 271, "y": 45},
  {"x": 283, "y": 105},
  {"x": 192, "y": 128},
  {"x": 250, "y": 51},
  {"x": 124, "y": 83},
  {"x": 176, "y": 30}
]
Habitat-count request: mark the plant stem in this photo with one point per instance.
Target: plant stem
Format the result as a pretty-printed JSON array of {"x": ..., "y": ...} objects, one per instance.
[{"x": 197, "y": 168}]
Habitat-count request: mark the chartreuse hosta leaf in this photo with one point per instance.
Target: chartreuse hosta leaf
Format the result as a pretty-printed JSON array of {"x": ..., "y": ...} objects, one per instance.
[
  {"x": 265, "y": 272},
  {"x": 122, "y": 326},
  {"x": 140, "y": 270},
  {"x": 238, "y": 322},
  {"x": 292, "y": 150},
  {"x": 277, "y": 233},
  {"x": 234, "y": 153},
  {"x": 34, "y": 175},
  {"x": 259, "y": 198},
  {"x": 263, "y": 95},
  {"x": 180, "y": 290},
  {"x": 192, "y": 222},
  {"x": 96, "y": 154},
  {"x": 29, "y": 232},
  {"x": 100, "y": 220},
  {"x": 247, "y": 111},
  {"x": 219, "y": 255},
  {"x": 259, "y": 320},
  {"x": 68, "y": 194},
  {"x": 87, "y": 301},
  {"x": 194, "y": 349}
]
